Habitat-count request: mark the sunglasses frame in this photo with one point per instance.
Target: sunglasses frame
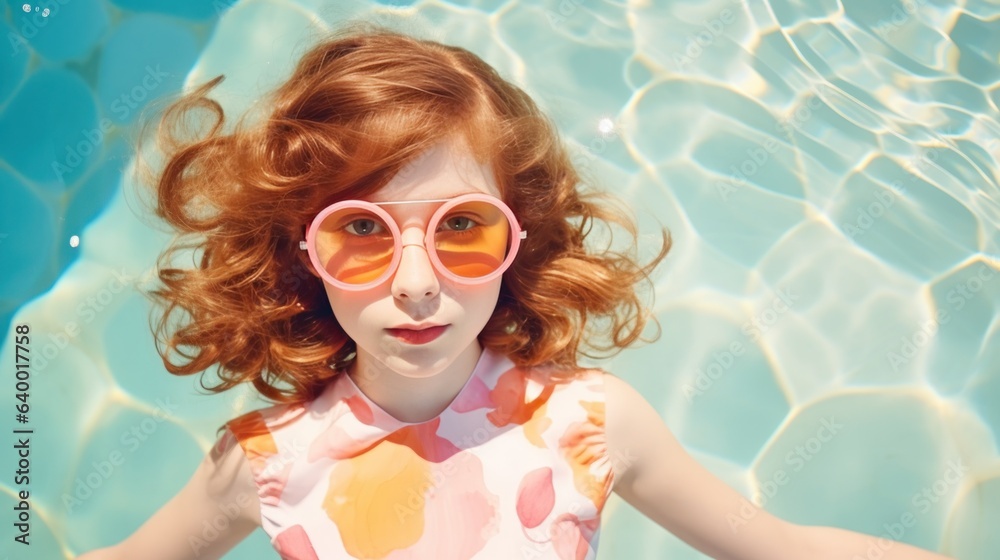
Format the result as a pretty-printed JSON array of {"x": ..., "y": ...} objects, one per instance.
[{"x": 375, "y": 207}]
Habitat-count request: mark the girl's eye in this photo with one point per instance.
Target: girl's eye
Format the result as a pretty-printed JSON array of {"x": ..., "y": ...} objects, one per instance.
[
  {"x": 364, "y": 226},
  {"x": 458, "y": 223}
]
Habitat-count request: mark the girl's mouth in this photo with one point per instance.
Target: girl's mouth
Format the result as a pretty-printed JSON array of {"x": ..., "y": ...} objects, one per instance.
[{"x": 423, "y": 336}]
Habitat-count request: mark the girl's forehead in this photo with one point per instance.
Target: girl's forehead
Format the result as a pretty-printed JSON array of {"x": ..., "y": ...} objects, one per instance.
[{"x": 446, "y": 170}]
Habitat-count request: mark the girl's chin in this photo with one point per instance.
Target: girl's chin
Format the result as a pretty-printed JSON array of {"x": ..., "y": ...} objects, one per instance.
[{"x": 416, "y": 364}]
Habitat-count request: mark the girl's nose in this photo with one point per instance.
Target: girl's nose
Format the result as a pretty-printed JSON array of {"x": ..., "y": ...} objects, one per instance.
[{"x": 415, "y": 279}]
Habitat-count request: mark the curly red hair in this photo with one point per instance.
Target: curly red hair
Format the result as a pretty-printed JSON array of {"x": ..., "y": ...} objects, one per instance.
[{"x": 357, "y": 108}]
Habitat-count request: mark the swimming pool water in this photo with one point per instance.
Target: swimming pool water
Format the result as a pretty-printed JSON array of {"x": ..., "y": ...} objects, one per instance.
[{"x": 828, "y": 170}]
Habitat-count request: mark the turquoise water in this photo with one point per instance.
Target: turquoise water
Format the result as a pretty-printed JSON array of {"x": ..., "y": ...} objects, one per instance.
[{"x": 829, "y": 311}]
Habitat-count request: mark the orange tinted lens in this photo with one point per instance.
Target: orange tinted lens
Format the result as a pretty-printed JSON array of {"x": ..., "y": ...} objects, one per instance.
[
  {"x": 472, "y": 239},
  {"x": 354, "y": 245}
]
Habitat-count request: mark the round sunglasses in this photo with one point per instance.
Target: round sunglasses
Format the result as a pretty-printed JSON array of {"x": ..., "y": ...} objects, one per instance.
[{"x": 357, "y": 245}]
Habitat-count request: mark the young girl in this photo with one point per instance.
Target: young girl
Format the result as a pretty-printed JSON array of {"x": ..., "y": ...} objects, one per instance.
[{"x": 398, "y": 255}]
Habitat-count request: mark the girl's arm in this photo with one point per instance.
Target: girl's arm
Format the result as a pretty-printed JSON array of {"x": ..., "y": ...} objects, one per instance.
[
  {"x": 217, "y": 509},
  {"x": 656, "y": 475}
]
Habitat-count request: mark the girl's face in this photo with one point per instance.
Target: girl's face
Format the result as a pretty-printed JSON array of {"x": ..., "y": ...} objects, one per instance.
[{"x": 417, "y": 323}]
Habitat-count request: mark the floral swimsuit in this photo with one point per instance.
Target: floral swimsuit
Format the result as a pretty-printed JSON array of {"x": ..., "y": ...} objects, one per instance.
[{"x": 515, "y": 467}]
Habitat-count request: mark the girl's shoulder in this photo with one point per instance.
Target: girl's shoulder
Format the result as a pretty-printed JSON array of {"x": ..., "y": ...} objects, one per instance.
[
  {"x": 562, "y": 378},
  {"x": 255, "y": 430}
]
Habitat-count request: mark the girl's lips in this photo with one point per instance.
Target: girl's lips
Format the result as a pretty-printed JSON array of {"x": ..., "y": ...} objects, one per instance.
[{"x": 418, "y": 337}]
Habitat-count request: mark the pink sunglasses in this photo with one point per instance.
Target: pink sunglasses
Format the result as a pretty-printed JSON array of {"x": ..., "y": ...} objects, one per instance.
[{"x": 470, "y": 239}]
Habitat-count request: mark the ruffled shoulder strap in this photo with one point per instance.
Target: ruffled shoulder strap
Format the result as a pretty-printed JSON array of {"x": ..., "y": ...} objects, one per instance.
[{"x": 259, "y": 433}]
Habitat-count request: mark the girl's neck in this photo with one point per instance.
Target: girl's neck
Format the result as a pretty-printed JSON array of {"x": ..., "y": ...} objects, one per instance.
[{"x": 413, "y": 395}]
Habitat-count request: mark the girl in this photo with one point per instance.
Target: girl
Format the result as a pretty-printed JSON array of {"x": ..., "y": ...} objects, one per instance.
[{"x": 396, "y": 255}]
